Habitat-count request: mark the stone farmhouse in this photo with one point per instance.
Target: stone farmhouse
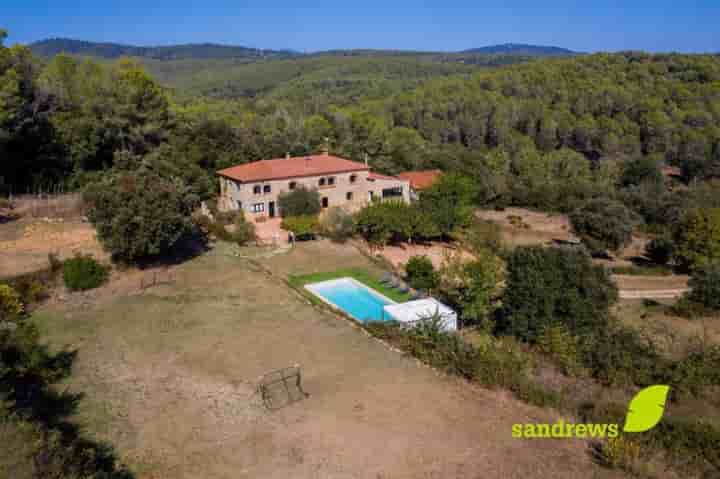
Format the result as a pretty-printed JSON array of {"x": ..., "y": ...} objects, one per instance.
[{"x": 255, "y": 187}]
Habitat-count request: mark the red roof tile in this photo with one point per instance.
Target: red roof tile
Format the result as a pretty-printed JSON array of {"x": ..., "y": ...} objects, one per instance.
[
  {"x": 420, "y": 180},
  {"x": 297, "y": 166},
  {"x": 377, "y": 176}
]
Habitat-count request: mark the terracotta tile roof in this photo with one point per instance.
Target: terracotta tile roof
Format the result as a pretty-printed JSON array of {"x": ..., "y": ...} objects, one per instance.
[
  {"x": 420, "y": 180},
  {"x": 293, "y": 167},
  {"x": 377, "y": 176}
]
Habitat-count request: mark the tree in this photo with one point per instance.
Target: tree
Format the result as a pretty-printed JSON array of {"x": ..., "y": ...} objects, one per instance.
[
  {"x": 298, "y": 202},
  {"x": 449, "y": 202},
  {"x": 645, "y": 169},
  {"x": 421, "y": 273},
  {"x": 545, "y": 286},
  {"x": 139, "y": 213},
  {"x": 604, "y": 224},
  {"x": 697, "y": 238},
  {"x": 473, "y": 286},
  {"x": 660, "y": 250},
  {"x": 705, "y": 286}
]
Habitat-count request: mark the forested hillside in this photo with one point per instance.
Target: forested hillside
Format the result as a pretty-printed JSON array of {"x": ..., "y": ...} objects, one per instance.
[
  {"x": 56, "y": 46},
  {"x": 550, "y": 133}
]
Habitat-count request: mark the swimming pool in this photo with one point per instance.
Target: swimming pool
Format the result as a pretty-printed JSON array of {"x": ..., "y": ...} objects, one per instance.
[{"x": 352, "y": 297}]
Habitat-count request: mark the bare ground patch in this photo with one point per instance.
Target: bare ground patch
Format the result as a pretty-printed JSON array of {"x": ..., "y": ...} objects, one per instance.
[
  {"x": 26, "y": 243},
  {"x": 170, "y": 377}
]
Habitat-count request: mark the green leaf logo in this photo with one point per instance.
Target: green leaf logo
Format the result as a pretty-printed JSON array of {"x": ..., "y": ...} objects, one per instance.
[{"x": 646, "y": 409}]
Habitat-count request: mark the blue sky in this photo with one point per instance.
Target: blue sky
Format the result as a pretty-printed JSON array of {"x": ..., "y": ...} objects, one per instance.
[{"x": 653, "y": 25}]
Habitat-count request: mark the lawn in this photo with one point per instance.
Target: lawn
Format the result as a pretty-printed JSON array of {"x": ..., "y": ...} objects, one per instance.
[
  {"x": 170, "y": 375},
  {"x": 361, "y": 275}
]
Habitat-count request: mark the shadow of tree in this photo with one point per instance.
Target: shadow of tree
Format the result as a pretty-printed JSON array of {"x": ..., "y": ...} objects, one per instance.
[{"x": 28, "y": 372}]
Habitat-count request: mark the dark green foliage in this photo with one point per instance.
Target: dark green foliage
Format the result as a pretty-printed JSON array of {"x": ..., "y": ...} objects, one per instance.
[
  {"x": 421, "y": 273},
  {"x": 618, "y": 355},
  {"x": 604, "y": 225},
  {"x": 449, "y": 202},
  {"x": 394, "y": 221},
  {"x": 139, "y": 214},
  {"x": 705, "y": 286},
  {"x": 545, "y": 286},
  {"x": 34, "y": 414},
  {"x": 299, "y": 202},
  {"x": 660, "y": 250},
  {"x": 84, "y": 272},
  {"x": 642, "y": 170}
]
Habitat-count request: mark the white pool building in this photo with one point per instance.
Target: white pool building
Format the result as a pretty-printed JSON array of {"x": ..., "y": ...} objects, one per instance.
[{"x": 413, "y": 311}]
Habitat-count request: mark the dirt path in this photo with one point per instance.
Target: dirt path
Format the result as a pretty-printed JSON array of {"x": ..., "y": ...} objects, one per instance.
[{"x": 653, "y": 294}]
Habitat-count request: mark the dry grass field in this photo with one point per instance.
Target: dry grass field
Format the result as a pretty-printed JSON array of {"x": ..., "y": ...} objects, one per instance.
[{"x": 170, "y": 375}]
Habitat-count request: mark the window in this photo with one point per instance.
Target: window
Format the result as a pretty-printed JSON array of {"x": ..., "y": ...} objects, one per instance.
[
  {"x": 321, "y": 182},
  {"x": 257, "y": 190},
  {"x": 325, "y": 202},
  {"x": 266, "y": 189},
  {"x": 292, "y": 185},
  {"x": 353, "y": 178},
  {"x": 331, "y": 180},
  {"x": 258, "y": 208},
  {"x": 349, "y": 195},
  {"x": 392, "y": 192}
]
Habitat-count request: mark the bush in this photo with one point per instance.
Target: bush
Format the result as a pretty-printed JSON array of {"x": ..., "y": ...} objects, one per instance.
[
  {"x": 338, "y": 225},
  {"x": 556, "y": 341},
  {"x": 620, "y": 355},
  {"x": 697, "y": 238},
  {"x": 421, "y": 273},
  {"x": 84, "y": 272},
  {"x": 660, "y": 250},
  {"x": 481, "y": 235},
  {"x": 550, "y": 286},
  {"x": 10, "y": 304},
  {"x": 139, "y": 213},
  {"x": 689, "y": 309},
  {"x": 604, "y": 225},
  {"x": 705, "y": 286},
  {"x": 243, "y": 230},
  {"x": 304, "y": 227},
  {"x": 299, "y": 202}
]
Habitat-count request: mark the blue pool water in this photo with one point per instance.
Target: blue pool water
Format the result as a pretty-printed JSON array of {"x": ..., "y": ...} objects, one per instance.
[{"x": 356, "y": 299}]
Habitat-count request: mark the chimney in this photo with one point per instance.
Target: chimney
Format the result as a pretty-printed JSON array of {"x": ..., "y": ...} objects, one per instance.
[
  {"x": 287, "y": 155},
  {"x": 326, "y": 147},
  {"x": 367, "y": 163}
]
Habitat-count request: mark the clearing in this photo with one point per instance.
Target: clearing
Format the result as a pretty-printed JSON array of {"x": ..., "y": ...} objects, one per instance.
[{"x": 170, "y": 379}]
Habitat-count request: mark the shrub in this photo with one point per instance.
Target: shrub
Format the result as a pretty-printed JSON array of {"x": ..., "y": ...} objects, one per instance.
[
  {"x": 421, "y": 273},
  {"x": 705, "y": 286},
  {"x": 84, "y": 272},
  {"x": 689, "y": 309},
  {"x": 697, "y": 238},
  {"x": 620, "y": 355},
  {"x": 556, "y": 341},
  {"x": 243, "y": 230},
  {"x": 660, "y": 250},
  {"x": 299, "y": 202},
  {"x": 139, "y": 213},
  {"x": 619, "y": 452},
  {"x": 481, "y": 235},
  {"x": 549, "y": 286},
  {"x": 604, "y": 225},
  {"x": 10, "y": 304},
  {"x": 338, "y": 225},
  {"x": 304, "y": 227}
]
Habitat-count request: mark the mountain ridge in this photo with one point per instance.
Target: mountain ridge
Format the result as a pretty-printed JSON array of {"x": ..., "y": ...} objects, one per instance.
[{"x": 109, "y": 50}]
